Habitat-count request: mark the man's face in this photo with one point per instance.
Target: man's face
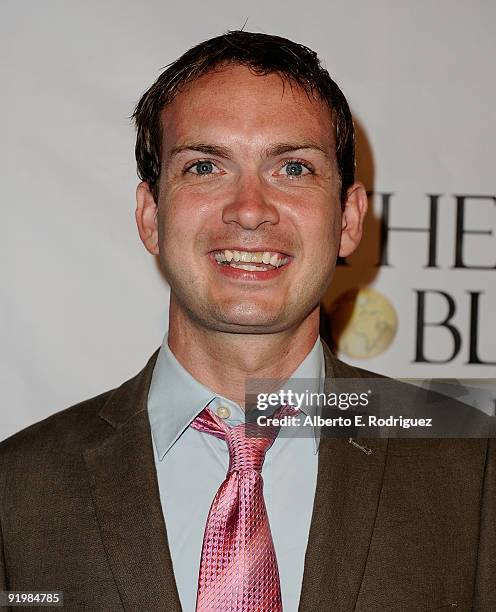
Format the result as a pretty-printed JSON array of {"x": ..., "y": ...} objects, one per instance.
[{"x": 249, "y": 217}]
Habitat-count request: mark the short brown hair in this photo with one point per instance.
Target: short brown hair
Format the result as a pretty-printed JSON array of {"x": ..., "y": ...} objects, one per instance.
[{"x": 263, "y": 54}]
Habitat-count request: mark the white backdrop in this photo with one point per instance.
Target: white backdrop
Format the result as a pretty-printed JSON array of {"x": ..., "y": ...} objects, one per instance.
[{"x": 83, "y": 305}]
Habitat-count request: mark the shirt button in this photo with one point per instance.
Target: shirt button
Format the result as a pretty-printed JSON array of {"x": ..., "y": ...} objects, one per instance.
[{"x": 223, "y": 412}]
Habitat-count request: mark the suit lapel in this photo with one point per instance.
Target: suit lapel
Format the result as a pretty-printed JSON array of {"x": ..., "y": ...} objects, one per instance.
[
  {"x": 126, "y": 498},
  {"x": 346, "y": 501}
]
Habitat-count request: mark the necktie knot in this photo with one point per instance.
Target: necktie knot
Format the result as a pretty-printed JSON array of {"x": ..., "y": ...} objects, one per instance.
[
  {"x": 247, "y": 443},
  {"x": 247, "y": 447}
]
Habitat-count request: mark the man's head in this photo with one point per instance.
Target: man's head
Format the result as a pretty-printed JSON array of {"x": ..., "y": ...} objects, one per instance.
[
  {"x": 263, "y": 54},
  {"x": 245, "y": 147}
]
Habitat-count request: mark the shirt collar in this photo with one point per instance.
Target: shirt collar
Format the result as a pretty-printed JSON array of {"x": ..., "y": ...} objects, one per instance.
[{"x": 175, "y": 397}]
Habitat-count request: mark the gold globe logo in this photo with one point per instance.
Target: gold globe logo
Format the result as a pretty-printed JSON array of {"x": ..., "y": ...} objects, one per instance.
[{"x": 364, "y": 323}]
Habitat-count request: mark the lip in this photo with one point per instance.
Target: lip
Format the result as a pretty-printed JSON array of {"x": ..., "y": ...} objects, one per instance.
[{"x": 249, "y": 275}]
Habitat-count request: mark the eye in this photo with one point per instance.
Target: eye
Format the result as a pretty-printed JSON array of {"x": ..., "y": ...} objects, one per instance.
[
  {"x": 202, "y": 168},
  {"x": 295, "y": 169}
]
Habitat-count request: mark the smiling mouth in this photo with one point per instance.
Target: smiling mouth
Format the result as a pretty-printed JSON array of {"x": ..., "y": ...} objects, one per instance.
[{"x": 251, "y": 261}]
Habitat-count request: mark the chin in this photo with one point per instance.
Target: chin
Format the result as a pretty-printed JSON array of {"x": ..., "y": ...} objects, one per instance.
[{"x": 248, "y": 318}]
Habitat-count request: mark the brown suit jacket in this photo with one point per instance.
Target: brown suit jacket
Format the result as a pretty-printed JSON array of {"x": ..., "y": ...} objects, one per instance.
[{"x": 410, "y": 527}]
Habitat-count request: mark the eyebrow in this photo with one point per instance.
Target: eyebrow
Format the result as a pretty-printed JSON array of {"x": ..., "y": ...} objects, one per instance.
[
  {"x": 272, "y": 150},
  {"x": 286, "y": 147},
  {"x": 208, "y": 149}
]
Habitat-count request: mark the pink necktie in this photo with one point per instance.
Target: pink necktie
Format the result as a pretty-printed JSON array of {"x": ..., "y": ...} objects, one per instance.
[{"x": 238, "y": 569}]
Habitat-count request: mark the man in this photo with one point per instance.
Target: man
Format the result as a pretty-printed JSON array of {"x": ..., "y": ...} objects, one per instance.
[{"x": 245, "y": 149}]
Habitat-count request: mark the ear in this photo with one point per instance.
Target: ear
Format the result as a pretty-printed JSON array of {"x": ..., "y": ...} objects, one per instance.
[
  {"x": 146, "y": 217},
  {"x": 354, "y": 210}
]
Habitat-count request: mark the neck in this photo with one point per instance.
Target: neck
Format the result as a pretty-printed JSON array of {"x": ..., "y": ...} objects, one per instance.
[{"x": 223, "y": 361}]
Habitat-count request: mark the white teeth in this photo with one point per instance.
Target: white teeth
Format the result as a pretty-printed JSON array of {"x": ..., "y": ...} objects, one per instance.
[{"x": 275, "y": 260}]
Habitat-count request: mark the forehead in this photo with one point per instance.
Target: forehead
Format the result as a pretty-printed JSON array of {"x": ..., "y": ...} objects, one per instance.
[{"x": 232, "y": 103}]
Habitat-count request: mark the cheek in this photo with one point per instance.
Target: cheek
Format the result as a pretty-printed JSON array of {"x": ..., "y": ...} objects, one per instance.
[
  {"x": 185, "y": 227},
  {"x": 320, "y": 228},
  {"x": 173, "y": 241},
  {"x": 176, "y": 221}
]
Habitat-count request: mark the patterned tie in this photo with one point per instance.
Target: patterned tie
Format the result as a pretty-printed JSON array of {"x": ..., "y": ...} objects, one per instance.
[{"x": 238, "y": 569}]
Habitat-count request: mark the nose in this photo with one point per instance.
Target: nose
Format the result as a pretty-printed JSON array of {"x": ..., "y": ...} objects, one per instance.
[{"x": 249, "y": 206}]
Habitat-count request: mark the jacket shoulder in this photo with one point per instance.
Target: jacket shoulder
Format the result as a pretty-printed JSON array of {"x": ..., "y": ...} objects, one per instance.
[{"x": 335, "y": 368}]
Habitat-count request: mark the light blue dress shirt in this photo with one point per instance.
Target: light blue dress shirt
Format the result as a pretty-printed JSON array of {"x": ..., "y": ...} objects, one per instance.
[{"x": 191, "y": 466}]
